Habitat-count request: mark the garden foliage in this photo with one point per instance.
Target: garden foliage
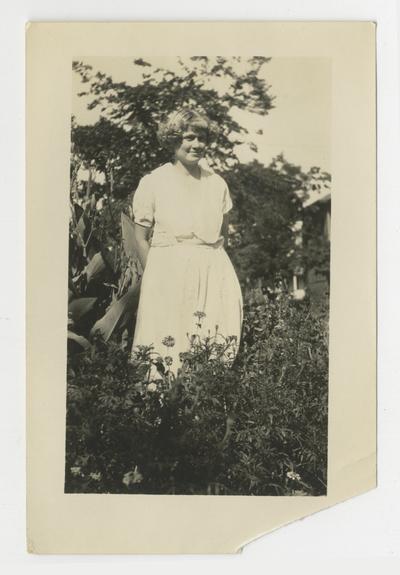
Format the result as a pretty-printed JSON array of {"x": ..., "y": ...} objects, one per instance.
[{"x": 257, "y": 427}]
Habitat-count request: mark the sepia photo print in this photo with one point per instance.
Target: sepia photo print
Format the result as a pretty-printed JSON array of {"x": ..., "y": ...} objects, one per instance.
[{"x": 199, "y": 276}]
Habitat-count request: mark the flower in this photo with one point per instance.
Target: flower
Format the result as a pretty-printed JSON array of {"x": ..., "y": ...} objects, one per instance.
[
  {"x": 152, "y": 387},
  {"x": 293, "y": 475},
  {"x": 96, "y": 476},
  {"x": 168, "y": 341},
  {"x": 132, "y": 477},
  {"x": 168, "y": 360},
  {"x": 75, "y": 470},
  {"x": 199, "y": 314}
]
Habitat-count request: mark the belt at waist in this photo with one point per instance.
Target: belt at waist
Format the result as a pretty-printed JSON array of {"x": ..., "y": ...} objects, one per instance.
[
  {"x": 186, "y": 244},
  {"x": 188, "y": 241}
]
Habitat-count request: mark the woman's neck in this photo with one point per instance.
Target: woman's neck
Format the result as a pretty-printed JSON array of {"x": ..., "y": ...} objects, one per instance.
[{"x": 191, "y": 170}]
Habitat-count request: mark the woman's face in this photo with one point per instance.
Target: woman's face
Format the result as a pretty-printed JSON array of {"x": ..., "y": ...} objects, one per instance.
[{"x": 192, "y": 147}]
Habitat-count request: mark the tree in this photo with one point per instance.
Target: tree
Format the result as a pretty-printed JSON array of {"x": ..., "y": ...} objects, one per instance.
[
  {"x": 127, "y": 133},
  {"x": 263, "y": 232}
]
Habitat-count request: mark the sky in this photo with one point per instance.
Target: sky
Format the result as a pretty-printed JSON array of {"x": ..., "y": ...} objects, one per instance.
[{"x": 299, "y": 125}]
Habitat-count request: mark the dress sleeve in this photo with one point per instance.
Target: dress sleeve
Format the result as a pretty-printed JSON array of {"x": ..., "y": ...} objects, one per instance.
[
  {"x": 143, "y": 203},
  {"x": 227, "y": 201}
]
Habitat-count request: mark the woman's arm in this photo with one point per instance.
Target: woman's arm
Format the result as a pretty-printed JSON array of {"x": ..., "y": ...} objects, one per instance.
[
  {"x": 142, "y": 234},
  {"x": 224, "y": 228}
]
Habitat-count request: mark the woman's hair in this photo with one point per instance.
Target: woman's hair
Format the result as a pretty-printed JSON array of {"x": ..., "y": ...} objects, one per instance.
[{"x": 171, "y": 129}]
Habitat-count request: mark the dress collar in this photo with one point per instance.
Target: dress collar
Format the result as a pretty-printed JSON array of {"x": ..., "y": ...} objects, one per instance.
[{"x": 180, "y": 169}]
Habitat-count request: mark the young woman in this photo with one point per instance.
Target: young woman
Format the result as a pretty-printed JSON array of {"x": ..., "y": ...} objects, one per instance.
[{"x": 189, "y": 285}]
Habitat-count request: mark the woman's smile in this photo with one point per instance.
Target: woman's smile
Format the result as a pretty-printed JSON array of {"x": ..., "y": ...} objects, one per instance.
[{"x": 192, "y": 147}]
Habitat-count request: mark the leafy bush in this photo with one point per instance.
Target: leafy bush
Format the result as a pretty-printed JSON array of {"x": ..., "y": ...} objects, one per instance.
[{"x": 257, "y": 426}]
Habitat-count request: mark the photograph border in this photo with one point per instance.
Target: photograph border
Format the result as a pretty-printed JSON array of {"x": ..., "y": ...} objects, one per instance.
[{"x": 352, "y": 463}]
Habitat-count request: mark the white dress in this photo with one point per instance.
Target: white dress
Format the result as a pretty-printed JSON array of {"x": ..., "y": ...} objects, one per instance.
[{"x": 189, "y": 278}]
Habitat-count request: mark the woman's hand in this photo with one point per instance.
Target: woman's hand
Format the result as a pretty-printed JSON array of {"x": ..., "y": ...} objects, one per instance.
[{"x": 142, "y": 235}]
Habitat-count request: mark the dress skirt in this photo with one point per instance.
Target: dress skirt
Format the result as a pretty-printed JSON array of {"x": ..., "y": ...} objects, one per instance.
[{"x": 187, "y": 289}]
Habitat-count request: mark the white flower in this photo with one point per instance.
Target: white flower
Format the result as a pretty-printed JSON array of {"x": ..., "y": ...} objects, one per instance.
[
  {"x": 132, "y": 477},
  {"x": 96, "y": 476},
  {"x": 168, "y": 341},
  {"x": 293, "y": 475},
  {"x": 152, "y": 387},
  {"x": 75, "y": 470}
]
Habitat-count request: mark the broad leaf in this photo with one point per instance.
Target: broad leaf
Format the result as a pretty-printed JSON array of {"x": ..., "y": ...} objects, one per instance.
[
  {"x": 128, "y": 236},
  {"x": 119, "y": 314},
  {"x": 77, "y": 308},
  {"x": 80, "y": 231},
  {"x": 81, "y": 341},
  {"x": 95, "y": 267}
]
